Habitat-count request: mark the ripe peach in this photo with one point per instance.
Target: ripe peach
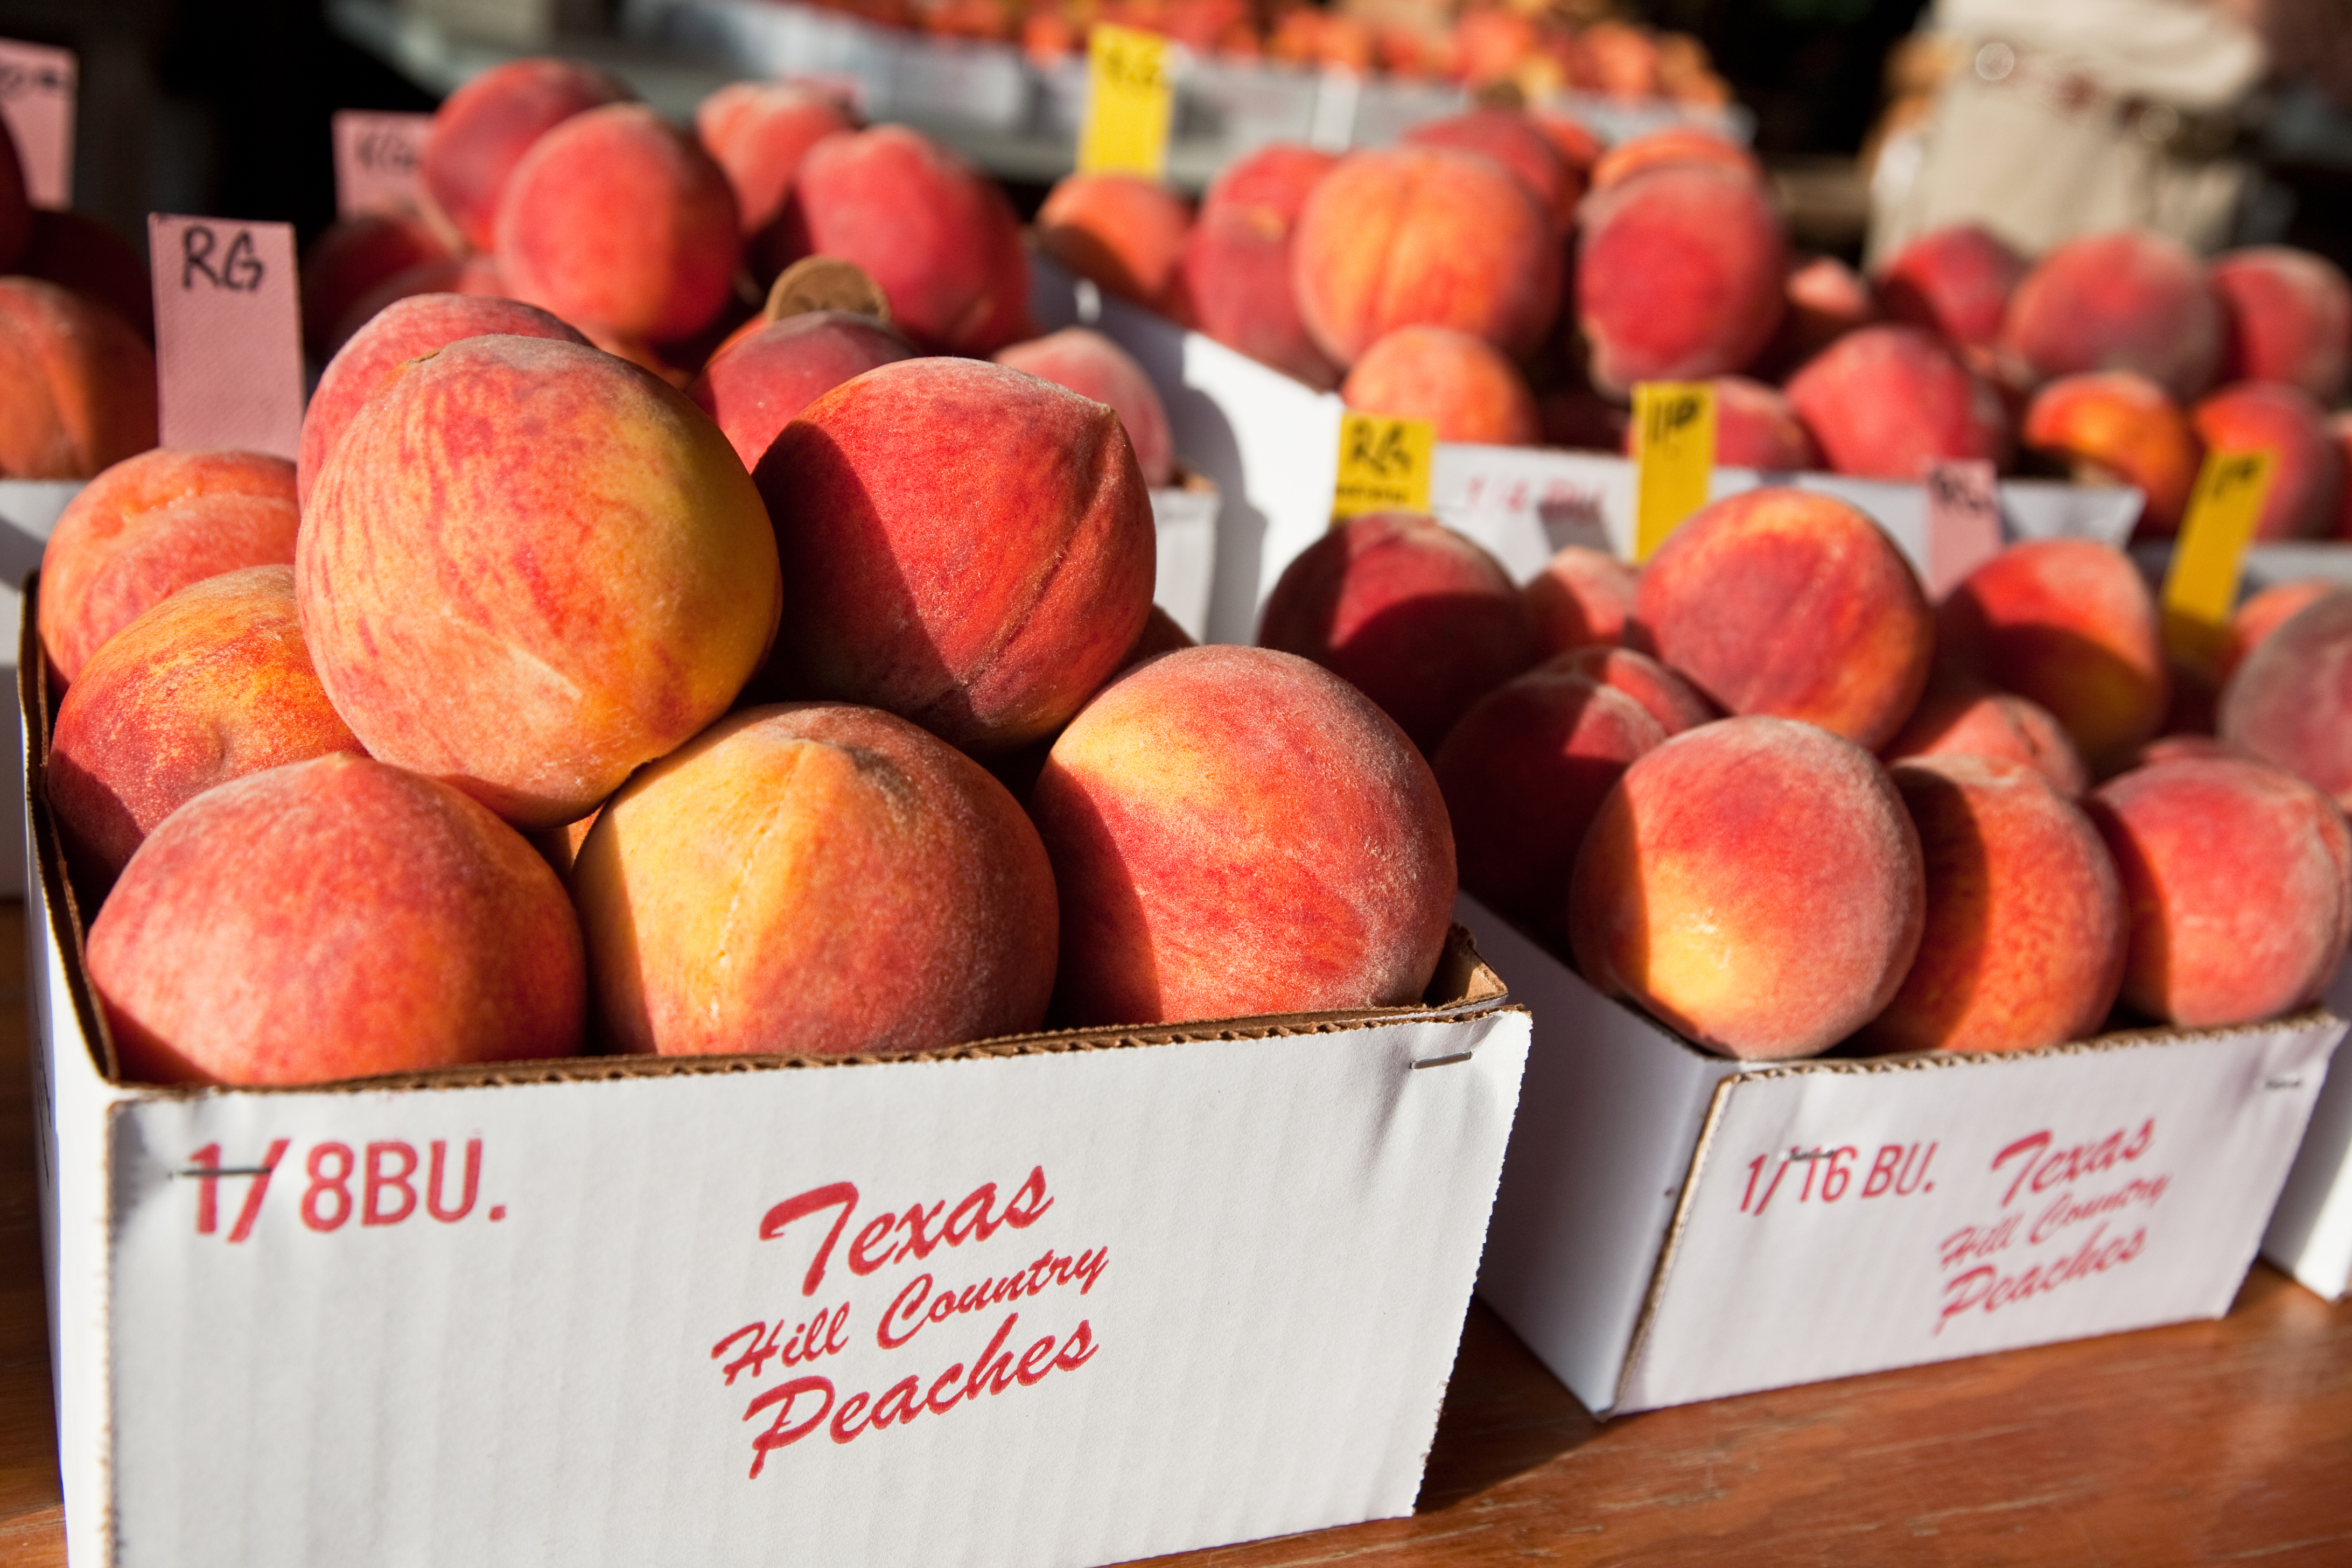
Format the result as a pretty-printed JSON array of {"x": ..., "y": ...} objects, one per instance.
[
  {"x": 1955, "y": 282},
  {"x": 2025, "y": 936},
  {"x": 1577, "y": 147},
  {"x": 2238, "y": 880},
  {"x": 1825, "y": 300},
  {"x": 1512, "y": 139},
  {"x": 1582, "y": 597},
  {"x": 937, "y": 235},
  {"x": 759, "y": 133},
  {"x": 1679, "y": 276},
  {"x": 1793, "y": 603},
  {"x": 1423, "y": 236},
  {"x": 1754, "y": 883},
  {"x": 1091, "y": 365},
  {"x": 208, "y": 686},
  {"x": 2069, "y": 624},
  {"x": 77, "y": 386},
  {"x": 2261, "y": 614},
  {"x": 332, "y": 919},
  {"x": 2287, "y": 317},
  {"x": 759, "y": 381},
  {"x": 1673, "y": 703},
  {"x": 1125, "y": 232},
  {"x": 964, "y": 545},
  {"x": 353, "y": 259},
  {"x": 530, "y": 567},
  {"x": 473, "y": 276},
  {"x": 1236, "y": 831},
  {"x": 482, "y": 131},
  {"x": 2132, "y": 299},
  {"x": 1234, "y": 282},
  {"x": 1416, "y": 616},
  {"x": 1274, "y": 179},
  {"x": 1965, "y": 719},
  {"x": 1884, "y": 402},
  {"x": 1756, "y": 427},
  {"x": 2117, "y": 427},
  {"x": 2172, "y": 748},
  {"x": 815, "y": 877},
  {"x": 403, "y": 330},
  {"x": 76, "y": 251},
  {"x": 2307, "y": 480},
  {"x": 2289, "y": 701},
  {"x": 149, "y": 526},
  {"x": 1677, "y": 145},
  {"x": 1454, "y": 380}
]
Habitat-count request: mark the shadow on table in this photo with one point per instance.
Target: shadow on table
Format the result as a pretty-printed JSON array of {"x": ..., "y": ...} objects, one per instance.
[{"x": 1505, "y": 1414}]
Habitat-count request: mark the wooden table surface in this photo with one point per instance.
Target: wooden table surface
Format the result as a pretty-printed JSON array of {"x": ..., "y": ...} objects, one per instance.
[{"x": 2228, "y": 1442}]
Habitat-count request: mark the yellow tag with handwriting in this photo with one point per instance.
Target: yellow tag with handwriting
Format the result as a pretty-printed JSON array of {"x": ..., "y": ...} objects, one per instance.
[
  {"x": 2200, "y": 588},
  {"x": 1383, "y": 464},
  {"x": 1674, "y": 454},
  {"x": 1129, "y": 103}
]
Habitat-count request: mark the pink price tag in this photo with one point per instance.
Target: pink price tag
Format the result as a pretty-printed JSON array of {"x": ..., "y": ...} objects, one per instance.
[
  {"x": 36, "y": 99},
  {"x": 228, "y": 334},
  {"x": 377, "y": 157},
  {"x": 1963, "y": 522}
]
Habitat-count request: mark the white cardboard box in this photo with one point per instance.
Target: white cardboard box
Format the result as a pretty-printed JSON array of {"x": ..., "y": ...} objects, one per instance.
[
  {"x": 28, "y": 510},
  {"x": 1214, "y": 1276},
  {"x": 2310, "y": 1233},
  {"x": 1675, "y": 1226}
]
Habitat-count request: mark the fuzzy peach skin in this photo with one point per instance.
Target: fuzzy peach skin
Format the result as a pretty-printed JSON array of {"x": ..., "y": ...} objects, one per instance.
[
  {"x": 1789, "y": 603},
  {"x": 1125, "y": 232},
  {"x": 2306, "y": 481},
  {"x": 351, "y": 259},
  {"x": 1235, "y": 278},
  {"x": 2238, "y": 880},
  {"x": 1091, "y": 365},
  {"x": 1423, "y": 236},
  {"x": 2261, "y": 614},
  {"x": 78, "y": 252},
  {"x": 2070, "y": 625},
  {"x": 528, "y": 568},
  {"x": 2025, "y": 937},
  {"x": 208, "y": 686},
  {"x": 759, "y": 133},
  {"x": 1512, "y": 139},
  {"x": 1679, "y": 276},
  {"x": 149, "y": 526},
  {"x": 1824, "y": 300},
  {"x": 964, "y": 545},
  {"x": 2288, "y": 317},
  {"x": 482, "y": 131},
  {"x": 1582, "y": 598},
  {"x": 815, "y": 877},
  {"x": 1454, "y": 380},
  {"x": 1754, "y": 883},
  {"x": 1756, "y": 427},
  {"x": 2117, "y": 427},
  {"x": 1418, "y": 617},
  {"x": 2127, "y": 300},
  {"x": 1236, "y": 831},
  {"x": 1884, "y": 402},
  {"x": 403, "y": 330},
  {"x": 936, "y": 233},
  {"x": 473, "y": 276},
  {"x": 1680, "y": 144},
  {"x": 1522, "y": 773},
  {"x": 2289, "y": 701},
  {"x": 77, "y": 386},
  {"x": 757, "y": 385},
  {"x": 1673, "y": 703},
  {"x": 334, "y": 919},
  {"x": 1954, "y": 282},
  {"x": 617, "y": 219},
  {"x": 1967, "y": 720}
]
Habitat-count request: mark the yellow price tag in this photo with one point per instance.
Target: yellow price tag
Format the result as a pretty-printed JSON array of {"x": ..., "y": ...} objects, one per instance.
[
  {"x": 1129, "y": 103},
  {"x": 1674, "y": 454},
  {"x": 2200, "y": 587},
  {"x": 1383, "y": 464}
]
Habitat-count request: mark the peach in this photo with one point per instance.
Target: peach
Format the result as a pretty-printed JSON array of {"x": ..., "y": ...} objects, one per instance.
[
  {"x": 1454, "y": 380},
  {"x": 2172, "y": 748},
  {"x": 1512, "y": 139},
  {"x": 2289, "y": 701},
  {"x": 1582, "y": 597},
  {"x": 1886, "y": 402},
  {"x": 16, "y": 207},
  {"x": 2306, "y": 481},
  {"x": 482, "y": 131},
  {"x": 1754, "y": 883},
  {"x": 528, "y": 568},
  {"x": 1274, "y": 179},
  {"x": 1679, "y": 277},
  {"x": 2126, "y": 301},
  {"x": 352, "y": 259},
  {"x": 1577, "y": 147},
  {"x": 2261, "y": 614},
  {"x": 1792, "y": 604},
  {"x": 1423, "y": 236},
  {"x": 1416, "y": 616},
  {"x": 2238, "y": 880},
  {"x": 77, "y": 386},
  {"x": 1970, "y": 720},
  {"x": 1756, "y": 427},
  {"x": 404, "y": 330},
  {"x": 1234, "y": 832},
  {"x": 2339, "y": 432},
  {"x": 818, "y": 878},
  {"x": 475, "y": 276},
  {"x": 1522, "y": 773},
  {"x": 1091, "y": 365},
  {"x": 756, "y": 384},
  {"x": 1673, "y": 703},
  {"x": 1234, "y": 282},
  {"x": 208, "y": 686},
  {"x": 1825, "y": 300},
  {"x": 964, "y": 545},
  {"x": 617, "y": 219},
  {"x": 76, "y": 251},
  {"x": 2287, "y": 317},
  {"x": 1954, "y": 282},
  {"x": 1125, "y": 232},
  {"x": 2025, "y": 936},
  {"x": 148, "y": 527},
  {"x": 1160, "y": 634},
  {"x": 939, "y": 235},
  {"x": 2070, "y": 625},
  {"x": 333, "y": 919},
  {"x": 2117, "y": 427},
  {"x": 759, "y": 133},
  {"x": 1680, "y": 145}
]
